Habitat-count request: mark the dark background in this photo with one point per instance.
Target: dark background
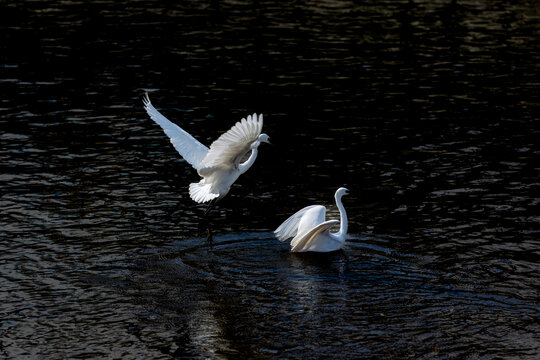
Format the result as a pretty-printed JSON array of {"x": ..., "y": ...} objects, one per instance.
[{"x": 426, "y": 110}]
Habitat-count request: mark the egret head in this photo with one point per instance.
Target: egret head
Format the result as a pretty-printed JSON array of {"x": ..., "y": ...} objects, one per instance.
[
  {"x": 264, "y": 138},
  {"x": 342, "y": 191}
]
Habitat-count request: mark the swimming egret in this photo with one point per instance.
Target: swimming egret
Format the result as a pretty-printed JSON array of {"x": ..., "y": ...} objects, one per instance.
[
  {"x": 310, "y": 231},
  {"x": 220, "y": 165}
]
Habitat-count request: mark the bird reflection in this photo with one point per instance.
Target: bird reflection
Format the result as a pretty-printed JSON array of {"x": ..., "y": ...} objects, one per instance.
[
  {"x": 334, "y": 261},
  {"x": 312, "y": 274},
  {"x": 206, "y": 229}
]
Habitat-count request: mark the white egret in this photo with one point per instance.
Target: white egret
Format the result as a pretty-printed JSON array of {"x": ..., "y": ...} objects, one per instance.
[
  {"x": 220, "y": 165},
  {"x": 310, "y": 231}
]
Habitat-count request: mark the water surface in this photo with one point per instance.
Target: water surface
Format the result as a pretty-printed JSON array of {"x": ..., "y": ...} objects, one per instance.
[{"x": 425, "y": 110}]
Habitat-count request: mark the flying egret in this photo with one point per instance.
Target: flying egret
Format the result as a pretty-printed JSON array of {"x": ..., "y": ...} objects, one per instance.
[
  {"x": 220, "y": 165},
  {"x": 310, "y": 231}
]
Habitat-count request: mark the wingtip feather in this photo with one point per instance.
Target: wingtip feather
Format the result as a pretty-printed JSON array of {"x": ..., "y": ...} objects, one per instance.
[{"x": 146, "y": 99}]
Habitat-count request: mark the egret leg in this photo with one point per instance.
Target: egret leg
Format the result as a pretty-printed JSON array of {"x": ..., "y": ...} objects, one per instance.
[{"x": 210, "y": 206}]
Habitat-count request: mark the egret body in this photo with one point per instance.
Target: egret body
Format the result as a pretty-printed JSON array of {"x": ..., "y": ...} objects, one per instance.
[
  {"x": 310, "y": 231},
  {"x": 220, "y": 165}
]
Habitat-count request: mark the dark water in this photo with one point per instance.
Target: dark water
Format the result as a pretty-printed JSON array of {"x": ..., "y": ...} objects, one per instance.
[{"x": 426, "y": 110}]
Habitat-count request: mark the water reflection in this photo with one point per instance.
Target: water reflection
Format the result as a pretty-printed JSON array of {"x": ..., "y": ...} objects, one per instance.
[{"x": 240, "y": 287}]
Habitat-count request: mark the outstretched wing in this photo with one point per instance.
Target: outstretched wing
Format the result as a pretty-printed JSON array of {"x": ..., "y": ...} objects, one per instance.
[
  {"x": 289, "y": 228},
  {"x": 190, "y": 149},
  {"x": 305, "y": 240},
  {"x": 232, "y": 146}
]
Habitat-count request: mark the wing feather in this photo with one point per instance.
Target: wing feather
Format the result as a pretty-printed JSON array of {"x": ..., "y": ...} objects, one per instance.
[
  {"x": 186, "y": 145},
  {"x": 233, "y": 145},
  {"x": 303, "y": 242},
  {"x": 289, "y": 228}
]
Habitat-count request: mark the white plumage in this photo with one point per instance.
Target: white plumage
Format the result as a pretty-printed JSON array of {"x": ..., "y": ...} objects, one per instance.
[
  {"x": 220, "y": 165},
  {"x": 309, "y": 230}
]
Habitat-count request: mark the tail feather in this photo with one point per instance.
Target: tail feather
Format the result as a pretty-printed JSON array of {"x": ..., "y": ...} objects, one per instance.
[{"x": 200, "y": 192}]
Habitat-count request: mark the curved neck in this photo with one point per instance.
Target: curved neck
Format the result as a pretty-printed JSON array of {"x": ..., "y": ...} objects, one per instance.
[
  {"x": 343, "y": 215},
  {"x": 246, "y": 165}
]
